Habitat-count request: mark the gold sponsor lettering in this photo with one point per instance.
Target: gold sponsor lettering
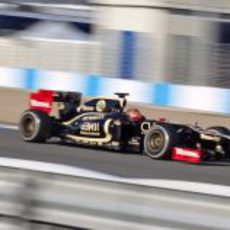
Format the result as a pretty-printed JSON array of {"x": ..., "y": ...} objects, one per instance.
[
  {"x": 90, "y": 127},
  {"x": 93, "y": 117},
  {"x": 90, "y": 133},
  {"x": 209, "y": 137},
  {"x": 98, "y": 140}
]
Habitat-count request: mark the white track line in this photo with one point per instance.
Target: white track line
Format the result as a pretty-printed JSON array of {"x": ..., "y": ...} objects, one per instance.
[
  {"x": 11, "y": 127},
  {"x": 197, "y": 187},
  {"x": 185, "y": 186}
]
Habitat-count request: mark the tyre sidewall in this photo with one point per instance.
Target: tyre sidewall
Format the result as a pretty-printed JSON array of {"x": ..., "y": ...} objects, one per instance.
[
  {"x": 167, "y": 134},
  {"x": 42, "y": 126},
  {"x": 225, "y": 143}
]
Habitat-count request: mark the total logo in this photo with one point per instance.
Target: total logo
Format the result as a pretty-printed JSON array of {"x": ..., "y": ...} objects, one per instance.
[
  {"x": 187, "y": 153},
  {"x": 42, "y": 104}
]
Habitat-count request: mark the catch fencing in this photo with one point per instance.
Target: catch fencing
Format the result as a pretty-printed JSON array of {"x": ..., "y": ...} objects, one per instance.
[
  {"x": 190, "y": 61},
  {"x": 59, "y": 56},
  {"x": 195, "y": 62}
]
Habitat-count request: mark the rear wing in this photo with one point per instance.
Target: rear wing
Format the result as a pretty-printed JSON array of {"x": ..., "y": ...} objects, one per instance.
[{"x": 41, "y": 100}]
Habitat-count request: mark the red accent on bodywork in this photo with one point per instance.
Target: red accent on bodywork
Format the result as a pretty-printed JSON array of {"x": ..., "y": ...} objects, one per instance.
[
  {"x": 41, "y": 100},
  {"x": 187, "y": 155}
]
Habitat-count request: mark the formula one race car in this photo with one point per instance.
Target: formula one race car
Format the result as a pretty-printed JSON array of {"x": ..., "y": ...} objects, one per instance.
[{"x": 105, "y": 122}]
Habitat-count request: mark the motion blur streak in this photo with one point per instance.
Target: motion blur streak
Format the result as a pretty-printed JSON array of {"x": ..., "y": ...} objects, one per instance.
[
  {"x": 122, "y": 165},
  {"x": 30, "y": 197}
]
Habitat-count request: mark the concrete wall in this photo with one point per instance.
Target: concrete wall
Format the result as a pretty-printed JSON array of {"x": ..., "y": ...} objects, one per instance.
[
  {"x": 12, "y": 103},
  {"x": 206, "y": 99},
  {"x": 17, "y": 102}
]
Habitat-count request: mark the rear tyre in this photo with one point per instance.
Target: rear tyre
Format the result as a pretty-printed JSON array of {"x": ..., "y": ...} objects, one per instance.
[
  {"x": 35, "y": 126},
  {"x": 159, "y": 141}
]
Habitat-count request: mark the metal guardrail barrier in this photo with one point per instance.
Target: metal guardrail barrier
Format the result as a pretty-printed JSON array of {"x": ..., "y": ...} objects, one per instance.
[
  {"x": 44, "y": 1},
  {"x": 32, "y": 197}
]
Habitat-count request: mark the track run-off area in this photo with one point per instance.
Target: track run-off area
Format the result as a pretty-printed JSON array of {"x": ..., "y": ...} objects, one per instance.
[{"x": 118, "y": 164}]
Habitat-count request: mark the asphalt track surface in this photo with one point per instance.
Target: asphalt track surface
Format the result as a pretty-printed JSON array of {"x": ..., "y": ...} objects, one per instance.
[{"x": 119, "y": 164}]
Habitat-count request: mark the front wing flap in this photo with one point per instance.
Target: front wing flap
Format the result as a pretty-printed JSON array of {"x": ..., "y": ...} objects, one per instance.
[{"x": 187, "y": 155}]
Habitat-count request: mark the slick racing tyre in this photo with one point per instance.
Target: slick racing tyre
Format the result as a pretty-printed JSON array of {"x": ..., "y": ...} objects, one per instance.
[
  {"x": 35, "y": 126},
  {"x": 220, "y": 130},
  {"x": 159, "y": 141}
]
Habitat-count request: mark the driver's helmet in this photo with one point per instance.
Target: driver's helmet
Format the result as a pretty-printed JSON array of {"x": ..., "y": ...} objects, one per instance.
[{"x": 134, "y": 114}]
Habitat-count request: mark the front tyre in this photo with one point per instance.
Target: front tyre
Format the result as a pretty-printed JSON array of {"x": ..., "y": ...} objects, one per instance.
[
  {"x": 224, "y": 143},
  {"x": 159, "y": 141},
  {"x": 218, "y": 130},
  {"x": 35, "y": 126}
]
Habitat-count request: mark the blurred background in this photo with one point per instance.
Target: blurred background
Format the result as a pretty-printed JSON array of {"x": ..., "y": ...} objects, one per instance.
[
  {"x": 170, "y": 48},
  {"x": 175, "y": 41}
]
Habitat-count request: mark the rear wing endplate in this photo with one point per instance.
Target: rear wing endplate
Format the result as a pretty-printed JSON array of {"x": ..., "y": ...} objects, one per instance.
[{"x": 41, "y": 100}]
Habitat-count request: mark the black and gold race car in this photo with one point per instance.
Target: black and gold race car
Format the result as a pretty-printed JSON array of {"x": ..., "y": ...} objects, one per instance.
[{"x": 105, "y": 122}]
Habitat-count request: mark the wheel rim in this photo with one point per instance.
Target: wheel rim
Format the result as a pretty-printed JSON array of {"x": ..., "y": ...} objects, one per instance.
[
  {"x": 156, "y": 142},
  {"x": 28, "y": 126}
]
